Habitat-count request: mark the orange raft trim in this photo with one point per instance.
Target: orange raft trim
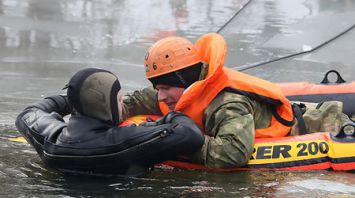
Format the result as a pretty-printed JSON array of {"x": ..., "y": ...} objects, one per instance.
[
  {"x": 316, "y": 151},
  {"x": 325, "y": 91}
]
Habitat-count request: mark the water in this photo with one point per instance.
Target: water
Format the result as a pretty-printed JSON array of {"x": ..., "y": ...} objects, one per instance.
[
  {"x": 266, "y": 30},
  {"x": 23, "y": 174},
  {"x": 44, "y": 42}
]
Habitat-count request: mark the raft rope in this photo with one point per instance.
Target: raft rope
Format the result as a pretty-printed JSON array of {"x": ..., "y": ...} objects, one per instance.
[
  {"x": 235, "y": 15},
  {"x": 243, "y": 68}
]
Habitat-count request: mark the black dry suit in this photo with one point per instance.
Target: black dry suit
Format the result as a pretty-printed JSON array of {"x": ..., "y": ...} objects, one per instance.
[{"x": 91, "y": 142}]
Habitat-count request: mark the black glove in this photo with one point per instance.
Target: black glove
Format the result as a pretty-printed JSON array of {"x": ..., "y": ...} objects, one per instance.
[
  {"x": 150, "y": 122},
  {"x": 169, "y": 118},
  {"x": 164, "y": 120}
]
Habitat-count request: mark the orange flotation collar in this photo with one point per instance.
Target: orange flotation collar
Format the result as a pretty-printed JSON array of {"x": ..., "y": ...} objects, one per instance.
[{"x": 198, "y": 96}]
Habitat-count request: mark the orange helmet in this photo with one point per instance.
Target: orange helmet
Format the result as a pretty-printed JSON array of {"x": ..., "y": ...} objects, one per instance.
[{"x": 168, "y": 55}]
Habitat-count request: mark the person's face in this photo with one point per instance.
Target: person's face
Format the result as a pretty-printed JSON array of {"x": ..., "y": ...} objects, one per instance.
[
  {"x": 119, "y": 105},
  {"x": 169, "y": 95}
]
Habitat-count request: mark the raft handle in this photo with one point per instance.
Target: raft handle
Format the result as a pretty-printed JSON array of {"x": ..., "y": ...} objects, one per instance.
[
  {"x": 339, "y": 78},
  {"x": 347, "y": 130}
]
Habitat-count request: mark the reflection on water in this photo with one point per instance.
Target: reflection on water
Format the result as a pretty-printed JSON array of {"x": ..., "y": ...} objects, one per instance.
[
  {"x": 89, "y": 29},
  {"x": 44, "y": 42},
  {"x": 281, "y": 28}
]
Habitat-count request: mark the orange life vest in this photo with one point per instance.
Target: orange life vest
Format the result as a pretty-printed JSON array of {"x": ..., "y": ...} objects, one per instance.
[{"x": 198, "y": 96}]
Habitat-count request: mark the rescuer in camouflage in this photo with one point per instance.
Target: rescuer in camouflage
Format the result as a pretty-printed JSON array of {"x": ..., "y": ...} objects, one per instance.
[{"x": 229, "y": 120}]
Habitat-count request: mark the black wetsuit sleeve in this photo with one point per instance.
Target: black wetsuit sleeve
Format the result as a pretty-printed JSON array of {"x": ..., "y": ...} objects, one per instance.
[
  {"x": 56, "y": 103},
  {"x": 175, "y": 135},
  {"x": 43, "y": 119}
]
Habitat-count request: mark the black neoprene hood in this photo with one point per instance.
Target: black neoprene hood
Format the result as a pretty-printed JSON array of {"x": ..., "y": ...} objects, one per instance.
[{"x": 93, "y": 92}]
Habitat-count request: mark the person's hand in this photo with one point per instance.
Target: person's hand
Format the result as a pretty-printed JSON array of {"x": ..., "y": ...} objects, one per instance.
[
  {"x": 164, "y": 120},
  {"x": 150, "y": 122},
  {"x": 168, "y": 118}
]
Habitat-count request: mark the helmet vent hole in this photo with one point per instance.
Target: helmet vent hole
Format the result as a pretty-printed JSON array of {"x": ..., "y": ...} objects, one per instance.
[{"x": 166, "y": 56}]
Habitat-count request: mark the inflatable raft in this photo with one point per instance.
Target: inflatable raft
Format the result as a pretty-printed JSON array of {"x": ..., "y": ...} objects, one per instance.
[{"x": 316, "y": 151}]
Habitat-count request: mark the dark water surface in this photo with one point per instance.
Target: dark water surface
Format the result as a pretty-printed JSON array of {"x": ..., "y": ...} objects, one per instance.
[{"x": 44, "y": 42}]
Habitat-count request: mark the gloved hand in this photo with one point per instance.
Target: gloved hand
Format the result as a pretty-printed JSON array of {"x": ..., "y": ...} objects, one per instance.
[
  {"x": 168, "y": 118},
  {"x": 150, "y": 122}
]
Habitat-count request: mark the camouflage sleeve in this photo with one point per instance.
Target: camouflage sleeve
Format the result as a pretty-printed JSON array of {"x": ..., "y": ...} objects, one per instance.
[
  {"x": 140, "y": 102},
  {"x": 230, "y": 130}
]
